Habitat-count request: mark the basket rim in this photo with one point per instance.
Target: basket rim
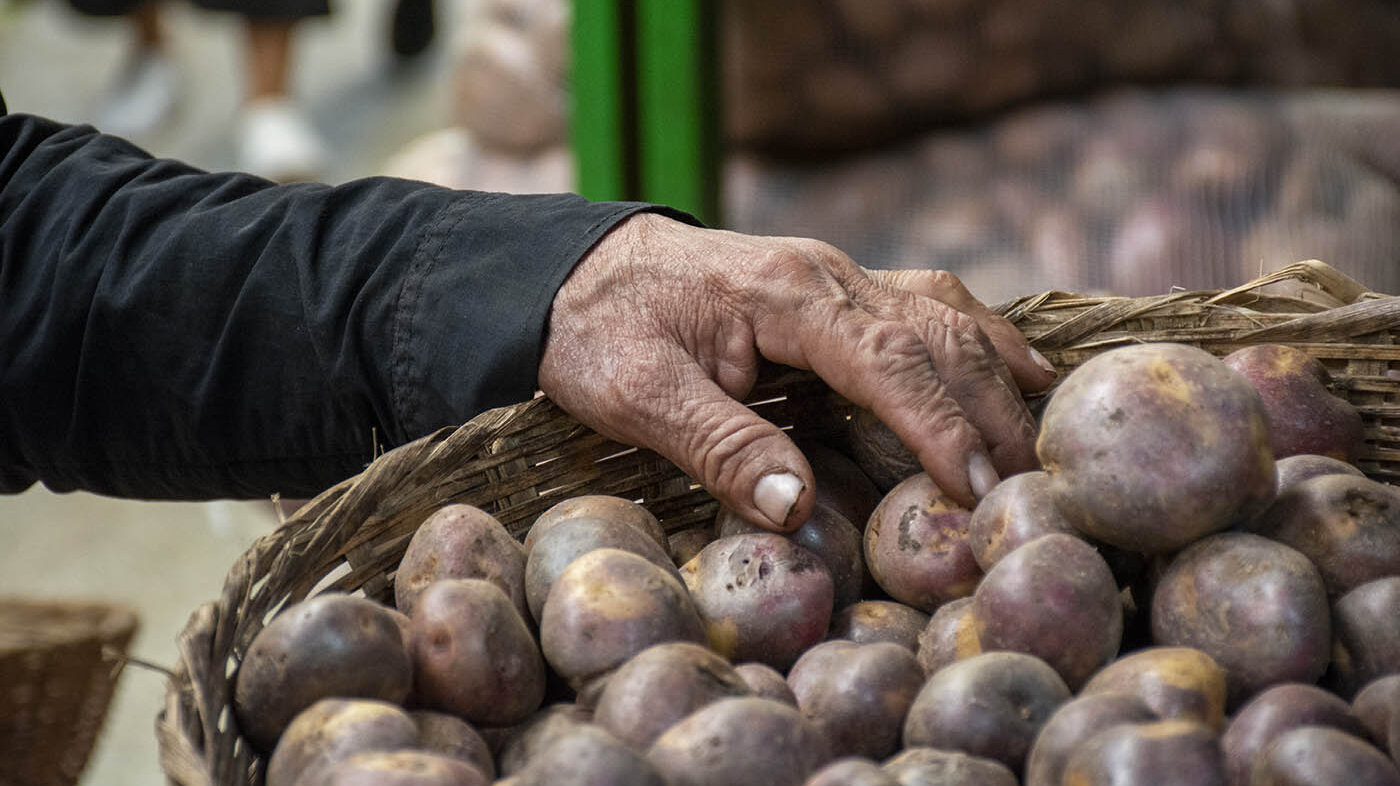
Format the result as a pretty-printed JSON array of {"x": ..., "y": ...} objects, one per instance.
[{"x": 31, "y": 622}]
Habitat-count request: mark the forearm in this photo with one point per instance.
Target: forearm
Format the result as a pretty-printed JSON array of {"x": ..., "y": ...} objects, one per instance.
[{"x": 166, "y": 332}]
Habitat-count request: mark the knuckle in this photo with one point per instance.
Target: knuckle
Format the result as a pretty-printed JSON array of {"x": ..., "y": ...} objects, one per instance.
[
  {"x": 889, "y": 346},
  {"x": 818, "y": 249},
  {"x": 961, "y": 324},
  {"x": 945, "y": 281},
  {"x": 1004, "y": 328},
  {"x": 945, "y": 418},
  {"x": 950, "y": 422},
  {"x": 718, "y": 443},
  {"x": 785, "y": 261}
]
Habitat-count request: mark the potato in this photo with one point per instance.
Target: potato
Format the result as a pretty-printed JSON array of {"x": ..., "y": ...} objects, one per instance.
[
  {"x": 1257, "y": 607},
  {"x": 922, "y": 766},
  {"x": 1266, "y": 716},
  {"x": 951, "y": 635},
  {"x": 1017, "y": 511},
  {"x": 587, "y": 690},
  {"x": 399, "y": 768},
  {"x": 461, "y": 542},
  {"x": 587, "y": 756},
  {"x": 767, "y": 682},
  {"x": 990, "y": 705},
  {"x": 607, "y": 606},
  {"x": 1174, "y": 682},
  {"x": 869, "y": 621},
  {"x": 1162, "y": 753},
  {"x": 744, "y": 741},
  {"x": 841, "y": 483},
  {"x": 661, "y": 685},
  {"x": 568, "y": 539},
  {"x": 916, "y": 545},
  {"x": 1348, "y": 526},
  {"x": 1298, "y": 468},
  {"x": 1366, "y": 634},
  {"x": 473, "y": 655},
  {"x": 826, "y": 534},
  {"x": 684, "y": 545},
  {"x": 1150, "y": 447},
  {"x": 1074, "y": 722},
  {"x": 857, "y": 694},
  {"x": 879, "y": 453},
  {"x": 1320, "y": 756},
  {"x": 1304, "y": 417},
  {"x": 851, "y": 771},
  {"x": 1054, "y": 598},
  {"x": 332, "y": 730},
  {"x": 1376, "y": 705},
  {"x": 329, "y": 645},
  {"x": 447, "y": 735},
  {"x": 761, "y": 596},
  {"x": 1393, "y": 744},
  {"x": 537, "y": 732},
  {"x": 600, "y": 506}
]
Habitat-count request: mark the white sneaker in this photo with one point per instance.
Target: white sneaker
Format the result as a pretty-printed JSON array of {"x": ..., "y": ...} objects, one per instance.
[
  {"x": 142, "y": 97},
  {"x": 278, "y": 143}
]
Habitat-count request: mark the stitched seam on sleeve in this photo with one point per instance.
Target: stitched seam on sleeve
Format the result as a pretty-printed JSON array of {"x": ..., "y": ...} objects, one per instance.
[{"x": 403, "y": 376}]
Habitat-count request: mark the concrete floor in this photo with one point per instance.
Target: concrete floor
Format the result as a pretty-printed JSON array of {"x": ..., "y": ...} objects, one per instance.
[{"x": 165, "y": 559}]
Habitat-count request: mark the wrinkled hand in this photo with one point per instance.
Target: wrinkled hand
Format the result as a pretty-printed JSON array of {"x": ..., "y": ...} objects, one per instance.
[{"x": 657, "y": 334}]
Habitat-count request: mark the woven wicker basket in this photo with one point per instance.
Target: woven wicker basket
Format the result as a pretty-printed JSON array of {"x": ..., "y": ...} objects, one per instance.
[
  {"x": 59, "y": 663},
  {"x": 517, "y": 461}
]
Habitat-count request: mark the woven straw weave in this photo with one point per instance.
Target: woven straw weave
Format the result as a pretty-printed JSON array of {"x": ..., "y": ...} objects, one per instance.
[{"x": 59, "y": 663}]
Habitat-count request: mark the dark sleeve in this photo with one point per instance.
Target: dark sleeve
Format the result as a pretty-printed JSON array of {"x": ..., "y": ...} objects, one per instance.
[{"x": 171, "y": 333}]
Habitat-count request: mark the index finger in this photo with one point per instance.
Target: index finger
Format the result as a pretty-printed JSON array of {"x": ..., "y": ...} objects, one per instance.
[
  {"x": 1031, "y": 370},
  {"x": 885, "y": 366}
]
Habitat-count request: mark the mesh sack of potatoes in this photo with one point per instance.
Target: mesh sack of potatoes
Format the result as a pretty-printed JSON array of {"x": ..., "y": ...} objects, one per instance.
[
  {"x": 804, "y": 77},
  {"x": 1133, "y": 193}
]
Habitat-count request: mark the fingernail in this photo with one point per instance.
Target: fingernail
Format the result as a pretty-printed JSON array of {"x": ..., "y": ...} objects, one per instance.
[
  {"x": 776, "y": 494},
  {"x": 1043, "y": 362},
  {"x": 981, "y": 474}
]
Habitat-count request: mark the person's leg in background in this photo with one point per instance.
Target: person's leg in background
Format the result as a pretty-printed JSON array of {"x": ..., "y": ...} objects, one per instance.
[
  {"x": 276, "y": 140},
  {"x": 144, "y": 92},
  {"x": 412, "y": 28}
]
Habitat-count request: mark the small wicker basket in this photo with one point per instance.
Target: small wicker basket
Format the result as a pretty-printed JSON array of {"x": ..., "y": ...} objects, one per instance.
[
  {"x": 59, "y": 663},
  {"x": 517, "y": 461}
]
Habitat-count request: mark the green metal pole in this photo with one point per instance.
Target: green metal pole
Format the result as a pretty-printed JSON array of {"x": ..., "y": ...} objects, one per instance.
[
  {"x": 602, "y": 117},
  {"x": 677, "y": 106}
]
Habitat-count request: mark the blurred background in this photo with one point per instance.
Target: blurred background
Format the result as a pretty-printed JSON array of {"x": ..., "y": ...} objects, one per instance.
[{"x": 1096, "y": 146}]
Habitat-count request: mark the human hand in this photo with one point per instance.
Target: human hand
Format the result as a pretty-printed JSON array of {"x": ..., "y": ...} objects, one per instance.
[{"x": 658, "y": 333}]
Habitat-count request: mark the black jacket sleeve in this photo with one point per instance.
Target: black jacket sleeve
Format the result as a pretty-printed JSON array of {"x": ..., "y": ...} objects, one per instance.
[{"x": 167, "y": 332}]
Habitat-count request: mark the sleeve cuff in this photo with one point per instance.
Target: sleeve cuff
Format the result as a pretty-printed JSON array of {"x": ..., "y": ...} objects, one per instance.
[{"x": 470, "y": 318}]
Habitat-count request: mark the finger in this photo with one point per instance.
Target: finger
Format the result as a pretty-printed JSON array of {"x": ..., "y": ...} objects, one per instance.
[
  {"x": 993, "y": 405},
  {"x": 743, "y": 460},
  {"x": 886, "y": 367},
  {"x": 970, "y": 368},
  {"x": 1031, "y": 370}
]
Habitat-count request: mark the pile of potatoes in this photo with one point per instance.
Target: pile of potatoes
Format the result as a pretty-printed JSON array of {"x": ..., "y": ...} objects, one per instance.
[
  {"x": 1130, "y": 192},
  {"x": 824, "y": 76},
  {"x": 1197, "y": 588}
]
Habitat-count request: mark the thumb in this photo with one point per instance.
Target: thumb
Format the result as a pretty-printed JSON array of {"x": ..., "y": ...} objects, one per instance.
[{"x": 743, "y": 460}]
